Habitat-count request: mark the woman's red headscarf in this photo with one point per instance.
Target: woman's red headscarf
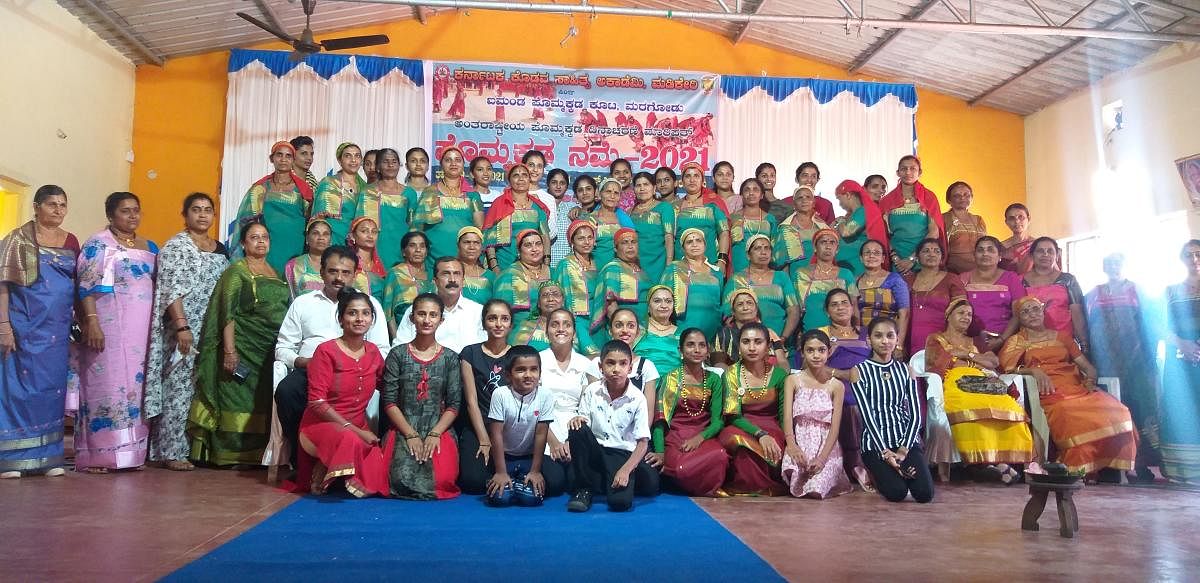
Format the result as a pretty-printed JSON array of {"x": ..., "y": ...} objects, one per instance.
[
  {"x": 876, "y": 227},
  {"x": 925, "y": 197},
  {"x": 821, "y": 232},
  {"x": 504, "y": 206},
  {"x": 376, "y": 263},
  {"x": 706, "y": 195},
  {"x": 302, "y": 186}
]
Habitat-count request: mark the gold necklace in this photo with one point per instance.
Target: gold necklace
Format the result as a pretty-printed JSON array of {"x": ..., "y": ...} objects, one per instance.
[
  {"x": 685, "y": 395},
  {"x": 744, "y": 389},
  {"x": 127, "y": 241}
]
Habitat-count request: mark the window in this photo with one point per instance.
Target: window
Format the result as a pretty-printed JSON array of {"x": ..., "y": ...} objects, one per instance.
[{"x": 1151, "y": 254}]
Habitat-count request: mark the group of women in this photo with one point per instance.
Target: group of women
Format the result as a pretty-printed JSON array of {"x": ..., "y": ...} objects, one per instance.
[{"x": 160, "y": 354}]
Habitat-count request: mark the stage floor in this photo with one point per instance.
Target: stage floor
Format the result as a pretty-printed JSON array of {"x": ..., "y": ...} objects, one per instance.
[{"x": 140, "y": 526}]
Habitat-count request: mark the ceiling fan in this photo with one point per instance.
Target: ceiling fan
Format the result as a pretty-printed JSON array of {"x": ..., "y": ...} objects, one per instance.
[{"x": 305, "y": 45}]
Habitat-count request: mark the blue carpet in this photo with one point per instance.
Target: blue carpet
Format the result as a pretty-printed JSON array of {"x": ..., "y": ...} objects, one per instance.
[{"x": 668, "y": 538}]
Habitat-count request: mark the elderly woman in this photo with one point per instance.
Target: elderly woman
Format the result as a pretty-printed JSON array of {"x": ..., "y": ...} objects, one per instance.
[
  {"x": 793, "y": 247},
  {"x": 1180, "y": 436},
  {"x": 37, "y": 293},
  {"x": 188, "y": 269},
  {"x": 116, "y": 291},
  {"x": 930, "y": 290},
  {"x": 861, "y": 223},
  {"x": 989, "y": 426},
  {"x": 303, "y": 272},
  {"x": 1016, "y": 248},
  {"x": 229, "y": 421},
  {"x": 1059, "y": 291},
  {"x": 749, "y": 221},
  {"x": 477, "y": 280},
  {"x": 514, "y": 212},
  {"x": 992, "y": 292},
  {"x": 743, "y": 310},
  {"x": 363, "y": 238},
  {"x": 701, "y": 209},
  {"x": 654, "y": 221},
  {"x": 775, "y": 293},
  {"x": 912, "y": 213},
  {"x": 1092, "y": 430},
  {"x": 607, "y": 219},
  {"x": 660, "y": 341},
  {"x": 533, "y": 331},
  {"x": 337, "y": 195},
  {"x": 963, "y": 229},
  {"x": 882, "y": 293},
  {"x": 281, "y": 201},
  {"x": 814, "y": 281},
  {"x": 576, "y": 276},
  {"x": 408, "y": 279},
  {"x": 444, "y": 209},
  {"x": 696, "y": 284},
  {"x": 386, "y": 202},
  {"x": 621, "y": 283},
  {"x": 519, "y": 283}
]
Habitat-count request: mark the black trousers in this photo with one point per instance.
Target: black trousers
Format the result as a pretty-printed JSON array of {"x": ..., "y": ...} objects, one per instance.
[
  {"x": 595, "y": 465},
  {"x": 291, "y": 397},
  {"x": 895, "y": 487},
  {"x": 473, "y": 474}
]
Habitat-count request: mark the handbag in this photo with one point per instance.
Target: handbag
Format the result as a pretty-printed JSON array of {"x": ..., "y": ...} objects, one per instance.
[{"x": 981, "y": 384}]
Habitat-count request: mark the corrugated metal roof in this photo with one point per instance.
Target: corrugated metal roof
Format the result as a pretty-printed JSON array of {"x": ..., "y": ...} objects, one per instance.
[{"x": 1001, "y": 71}]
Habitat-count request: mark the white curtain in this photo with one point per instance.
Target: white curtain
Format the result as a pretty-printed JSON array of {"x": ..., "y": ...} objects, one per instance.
[
  {"x": 262, "y": 109},
  {"x": 846, "y": 138}
]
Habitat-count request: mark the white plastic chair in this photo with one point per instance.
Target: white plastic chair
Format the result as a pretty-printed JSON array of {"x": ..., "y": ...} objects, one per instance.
[{"x": 939, "y": 442}]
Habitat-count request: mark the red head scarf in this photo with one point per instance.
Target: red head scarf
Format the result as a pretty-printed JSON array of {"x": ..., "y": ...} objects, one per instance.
[
  {"x": 925, "y": 197},
  {"x": 301, "y": 185},
  {"x": 504, "y": 205},
  {"x": 876, "y": 227},
  {"x": 706, "y": 195}
]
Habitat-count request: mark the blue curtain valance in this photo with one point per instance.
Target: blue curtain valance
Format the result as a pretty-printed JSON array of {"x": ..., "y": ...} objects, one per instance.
[
  {"x": 327, "y": 64},
  {"x": 779, "y": 88}
]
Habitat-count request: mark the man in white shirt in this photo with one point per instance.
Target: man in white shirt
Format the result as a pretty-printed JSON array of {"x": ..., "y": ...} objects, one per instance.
[
  {"x": 311, "y": 320},
  {"x": 462, "y": 319},
  {"x": 609, "y": 436},
  {"x": 535, "y": 161}
]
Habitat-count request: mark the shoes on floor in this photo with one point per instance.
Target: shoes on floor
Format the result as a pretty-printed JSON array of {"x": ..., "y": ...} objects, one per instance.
[{"x": 581, "y": 501}]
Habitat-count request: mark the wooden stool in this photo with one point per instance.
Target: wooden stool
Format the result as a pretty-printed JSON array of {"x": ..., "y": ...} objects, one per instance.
[{"x": 1068, "y": 517}]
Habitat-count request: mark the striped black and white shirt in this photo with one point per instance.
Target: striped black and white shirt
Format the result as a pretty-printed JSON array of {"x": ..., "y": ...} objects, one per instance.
[{"x": 889, "y": 405}]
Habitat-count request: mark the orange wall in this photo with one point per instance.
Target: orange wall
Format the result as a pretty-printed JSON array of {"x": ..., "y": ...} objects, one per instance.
[{"x": 179, "y": 114}]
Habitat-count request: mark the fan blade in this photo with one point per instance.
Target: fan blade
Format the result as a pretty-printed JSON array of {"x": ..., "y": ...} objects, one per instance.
[
  {"x": 256, "y": 22},
  {"x": 354, "y": 42}
]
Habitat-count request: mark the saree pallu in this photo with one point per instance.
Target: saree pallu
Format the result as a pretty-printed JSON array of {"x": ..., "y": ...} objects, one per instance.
[
  {"x": 441, "y": 217},
  {"x": 578, "y": 285},
  {"x": 478, "y": 288},
  {"x": 961, "y": 237},
  {"x": 697, "y": 297},
  {"x": 663, "y": 350},
  {"x": 853, "y": 233},
  {"x": 774, "y": 298},
  {"x": 793, "y": 246},
  {"x": 1180, "y": 423},
  {"x": 1058, "y": 296},
  {"x": 1017, "y": 258},
  {"x": 654, "y": 228},
  {"x": 110, "y": 430},
  {"x": 1091, "y": 429},
  {"x": 303, "y": 275},
  {"x": 683, "y": 413},
  {"x": 1122, "y": 348},
  {"x": 987, "y": 429},
  {"x": 741, "y": 230},
  {"x": 515, "y": 286},
  {"x": 811, "y": 292},
  {"x": 422, "y": 391},
  {"x": 907, "y": 226},
  {"x": 627, "y": 286},
  {"x": 33, "y": 379},
  {"x": 709, "y": 218},
  {"x": 993, "y": 302},
  {"x": 745, "y": 411},
  {"x": 285, "y": 214},
  {"x": 811, "y": 416},
  {"x": 333, "y": 204},
  {"x": 501, "y": 236},
  {"x": 229, "y": 422},
  {"x": 188, "y": 274},
  {"x": 604, "y": 250},
  {"x": 400, "y": 289},
  {"x": 927, "y": 313},
  {"x": 884, "y": 301},
  {"x": 371, "y": 284},
  {"x": 391, "y": 213}
]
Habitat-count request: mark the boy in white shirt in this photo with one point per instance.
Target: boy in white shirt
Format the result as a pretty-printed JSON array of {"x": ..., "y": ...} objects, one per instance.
[
  {"x": 609, "y": 436},
  {"x": 518, "y": 421}
]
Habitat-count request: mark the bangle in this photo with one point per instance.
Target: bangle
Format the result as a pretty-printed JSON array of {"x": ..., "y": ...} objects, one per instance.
[
  {"x": 434, "y": 434},
  {"x": 230, "y": 352},
  {"x": 412, "y": 436},
  {"x": 761, "y": 434},
  {"x": 92, "y": 316},
  {"x": 485, "y": 445},
  {"x": 183, "y": 329},
  {"x": 345, "y": 425}
]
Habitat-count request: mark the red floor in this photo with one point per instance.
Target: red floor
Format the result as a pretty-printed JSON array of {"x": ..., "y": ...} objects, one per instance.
[{"x": 140, "y": 526}]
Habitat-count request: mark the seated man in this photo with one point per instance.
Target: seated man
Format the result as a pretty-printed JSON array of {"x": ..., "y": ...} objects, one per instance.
[
  {"x": 462, "y": 322},
  {"x": 609, "y": 437},
  {"x": 311, "y": 320}
]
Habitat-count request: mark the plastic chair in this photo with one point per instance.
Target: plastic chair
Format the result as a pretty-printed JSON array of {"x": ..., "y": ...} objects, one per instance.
[{"x": 939, "y": 442}]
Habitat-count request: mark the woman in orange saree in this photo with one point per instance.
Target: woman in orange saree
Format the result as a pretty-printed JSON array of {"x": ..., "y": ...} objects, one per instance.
[{"x": 1091, "y": 429}]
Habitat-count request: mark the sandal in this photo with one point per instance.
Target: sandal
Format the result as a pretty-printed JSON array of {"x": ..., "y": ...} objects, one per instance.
[
  {"x": 179, "y": 465},
  {"x": 54, "y": 472},
  {"x": 10, "y": 475}
]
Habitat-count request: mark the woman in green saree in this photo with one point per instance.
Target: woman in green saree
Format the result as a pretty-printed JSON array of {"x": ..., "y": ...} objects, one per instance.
[
  {"x": 654, "y": 221},
  {"x": 749, "y": 221},
  {"x": 621, "y": 284},
  {"x": 696, "y": 284},
  {"x": 478, "y": 281},
  {"x": 230, "y": 418},
  {"x": 519, "y": 284},
  {"x": 576, "y": 274},
  {"x": 337, "y": 196},
  {"x": 445, "y": 208},
  {"x": 387, "y": 203},
  {"x": 280, "y": 201}
]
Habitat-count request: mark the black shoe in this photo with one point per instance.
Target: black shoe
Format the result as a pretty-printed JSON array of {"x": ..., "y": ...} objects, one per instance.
[{"x": 581, "y": 501}]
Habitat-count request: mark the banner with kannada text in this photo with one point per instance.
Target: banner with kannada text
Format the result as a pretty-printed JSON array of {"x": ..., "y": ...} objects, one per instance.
[{"x": 581, "y": 119}]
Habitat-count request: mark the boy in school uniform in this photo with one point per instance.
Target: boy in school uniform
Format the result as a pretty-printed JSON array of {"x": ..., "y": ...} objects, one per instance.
[
  {"x": 609, "y": 436},
  {"x": 518, "y": 420}
]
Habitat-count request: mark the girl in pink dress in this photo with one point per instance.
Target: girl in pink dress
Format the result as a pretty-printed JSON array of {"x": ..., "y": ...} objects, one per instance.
[{"x": 812, "y": 461}]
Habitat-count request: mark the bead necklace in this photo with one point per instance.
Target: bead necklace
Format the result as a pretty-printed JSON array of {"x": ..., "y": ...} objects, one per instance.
[
  {"x": 686, "y": 393},
  {"x": 756, "y": 393}
]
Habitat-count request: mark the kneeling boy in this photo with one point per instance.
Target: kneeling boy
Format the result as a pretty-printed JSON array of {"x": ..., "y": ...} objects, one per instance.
[{"x": 518, "y": 420}]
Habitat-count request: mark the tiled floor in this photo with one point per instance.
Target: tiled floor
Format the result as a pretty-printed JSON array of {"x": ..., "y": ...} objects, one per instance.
[{"x": 140, "y": 526}]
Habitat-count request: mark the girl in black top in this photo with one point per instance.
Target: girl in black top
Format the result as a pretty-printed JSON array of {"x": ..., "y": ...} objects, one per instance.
[
  {"x": 483, "y": 367},
  {"x": 890, "y": 408}
]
